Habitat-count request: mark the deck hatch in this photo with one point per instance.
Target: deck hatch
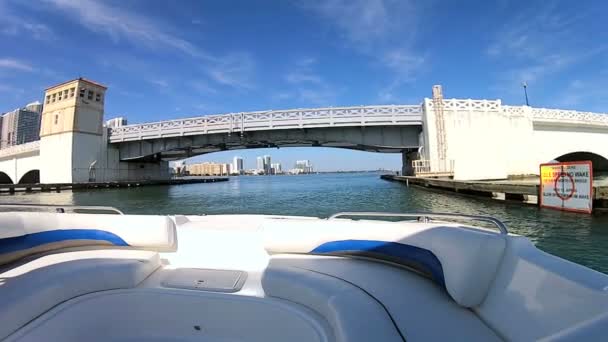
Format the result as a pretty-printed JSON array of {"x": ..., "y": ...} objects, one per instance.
[{"x": 206, "y": 279}]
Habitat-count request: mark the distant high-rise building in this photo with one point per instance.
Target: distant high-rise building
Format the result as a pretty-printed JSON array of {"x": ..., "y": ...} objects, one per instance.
[
  {"x": 260, "y": 164},
  {"x": 237, "y": 165},
  {"x": 208, "y": 169},
  {"x": 116, "y": 122},
  {"x": 20, "y": 126},
  {"x": 276, "y": 168},
  {"x": 303, "y": 166},
  {"x": 34, "y": 107},
  {"x": 267, "y": 164}
]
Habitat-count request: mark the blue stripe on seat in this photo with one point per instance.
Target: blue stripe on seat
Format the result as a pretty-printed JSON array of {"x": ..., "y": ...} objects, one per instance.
[
  {"x": 406, "y": 254},
  {"x": 13, "y": 244}
]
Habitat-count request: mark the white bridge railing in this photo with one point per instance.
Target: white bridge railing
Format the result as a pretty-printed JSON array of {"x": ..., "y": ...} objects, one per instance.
[
  {"x": 337, "y": 116},
  {"x": 433, "y": 168},
  {"x": 558, "y": 115},
  {"x": 277, "y": 119},
  {"x": 20, "y": 149}
]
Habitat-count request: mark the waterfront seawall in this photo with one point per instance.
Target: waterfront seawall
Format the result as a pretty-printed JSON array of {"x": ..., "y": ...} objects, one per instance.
[
  {"x": 57, "y": 187},
  {"x": 524, "y": 191}
]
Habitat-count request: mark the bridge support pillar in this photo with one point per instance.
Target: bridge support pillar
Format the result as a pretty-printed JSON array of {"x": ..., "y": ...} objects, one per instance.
[{"x": 406, "y": 163}]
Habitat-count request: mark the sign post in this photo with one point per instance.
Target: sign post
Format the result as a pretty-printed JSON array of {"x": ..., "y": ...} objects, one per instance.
[{"x": 567, "y": 186}]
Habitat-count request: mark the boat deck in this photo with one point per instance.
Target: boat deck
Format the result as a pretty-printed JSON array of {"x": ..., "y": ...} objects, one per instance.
[{"x": 276, "y": 278}]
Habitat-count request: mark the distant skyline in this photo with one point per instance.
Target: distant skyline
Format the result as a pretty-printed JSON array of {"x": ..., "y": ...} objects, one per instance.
[
  {"x": 325, "y": 158},
  {"x": 164, "y": 60}
]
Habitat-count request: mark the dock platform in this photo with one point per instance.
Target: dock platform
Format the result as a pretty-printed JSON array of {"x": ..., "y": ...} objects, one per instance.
[
  {"x": 58, "y": 187},
  {"x": 517, "y": 190}
]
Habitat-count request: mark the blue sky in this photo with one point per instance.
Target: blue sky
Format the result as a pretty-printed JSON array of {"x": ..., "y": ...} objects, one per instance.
[{"x": 165, "y": 60}]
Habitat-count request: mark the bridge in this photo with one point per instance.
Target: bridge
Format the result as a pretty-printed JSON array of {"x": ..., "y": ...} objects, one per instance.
[
  {"x": 463, "y": 139},
  {"x": 390, "y": 129}
]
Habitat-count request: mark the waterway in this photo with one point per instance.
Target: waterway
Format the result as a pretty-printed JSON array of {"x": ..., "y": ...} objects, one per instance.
[{"x": 577, "y": 237}]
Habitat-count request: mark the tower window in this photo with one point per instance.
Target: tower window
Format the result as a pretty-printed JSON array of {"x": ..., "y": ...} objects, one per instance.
[
  {"x": 59, "y": 96},
  {"x": 90, "y": 95},
  {"x": 81, "y": 92},
  {"x": 48, "y": 99},
  {"x": 98, "y": 97},
  {"x": 53, "y": 97},
  {"x": 56, "y": 118},
  {"x": 72, "y": 91}
]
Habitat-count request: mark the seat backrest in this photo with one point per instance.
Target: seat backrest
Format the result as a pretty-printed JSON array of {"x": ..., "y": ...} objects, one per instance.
[
  {"x": 462, "y": 259},
  {"x": 25, "y": 233}
]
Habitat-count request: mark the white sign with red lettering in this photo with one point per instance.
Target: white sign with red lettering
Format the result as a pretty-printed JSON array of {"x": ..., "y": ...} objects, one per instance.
[{"x": 567, "y": 186}]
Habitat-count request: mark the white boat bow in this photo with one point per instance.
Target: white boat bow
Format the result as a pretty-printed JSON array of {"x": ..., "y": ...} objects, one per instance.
[{"x": 70, "y": 276}]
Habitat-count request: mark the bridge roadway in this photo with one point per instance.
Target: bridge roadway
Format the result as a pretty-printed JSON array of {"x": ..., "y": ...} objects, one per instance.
[{"x": 372, "y": 128}]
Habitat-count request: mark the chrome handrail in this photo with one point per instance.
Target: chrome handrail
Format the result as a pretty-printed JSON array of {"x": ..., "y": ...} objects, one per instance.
[
  {"x": 62, "y": 208},
  {"x": 425, "y": 217}
]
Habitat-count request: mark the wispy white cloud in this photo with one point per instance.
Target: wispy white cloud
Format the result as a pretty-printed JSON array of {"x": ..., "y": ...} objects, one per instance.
[
  {"x": 160, "y": 83},
  {"x": 303, "y": 72},
  {"x": 202, "y": 87},
  {"x": 533, "y": 33},
  {"x": 405, "y": 66},
  {"x": 18, "y": 27},
  {"x": 120, "y": 24},
  {"x": 307, "y": 86},
  {"x": 317, "y": 96},
  {"x": 22, "y": 26},
  {"x": 590, "y": 94},
  {"x": 282, "y": 96},
  {"x": 9, "y": 63},
  {"x": 540, "y": 43},
  {"x": 405, "y": 63},
  {"x": 384, "y": 30},
  {"x": 5, "y": 88},
  {"x": 365, "y": 24},
  {"x": 235, "y": 70},
  {"x": 296, "y": 77},
  {"x": 127, "y": 93}
]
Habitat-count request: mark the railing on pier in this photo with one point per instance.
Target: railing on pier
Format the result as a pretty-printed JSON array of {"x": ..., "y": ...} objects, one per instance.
[{"x": 433, "y": 168}]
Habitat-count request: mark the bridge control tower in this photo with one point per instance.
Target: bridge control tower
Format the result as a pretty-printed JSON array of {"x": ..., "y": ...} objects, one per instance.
[{"x": 71, "y": 131}]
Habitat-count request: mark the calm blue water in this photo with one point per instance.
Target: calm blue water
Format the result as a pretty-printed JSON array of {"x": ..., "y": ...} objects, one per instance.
[{"x": 580, "y": 238}]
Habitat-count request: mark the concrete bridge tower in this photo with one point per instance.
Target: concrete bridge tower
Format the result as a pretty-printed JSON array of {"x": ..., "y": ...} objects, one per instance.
[{"x": 71, "y": 132}]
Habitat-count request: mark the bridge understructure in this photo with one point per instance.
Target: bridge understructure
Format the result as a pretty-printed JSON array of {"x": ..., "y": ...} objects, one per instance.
[
  {"x": 391, "y": 139},
  {"x": 386, "y": 129}
]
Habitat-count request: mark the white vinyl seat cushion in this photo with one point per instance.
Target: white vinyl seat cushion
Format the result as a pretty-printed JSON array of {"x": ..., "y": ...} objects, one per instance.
[
  {"x": 25, "y": 233},
  {"x": 419, "y": 308},
  {"x": 469, "y": 258},
  {"x": 353, "y": 315},
  {"x": 33, "y": 288}
]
